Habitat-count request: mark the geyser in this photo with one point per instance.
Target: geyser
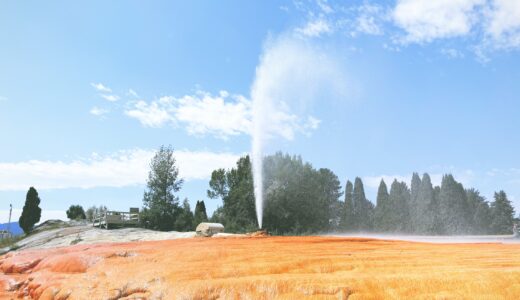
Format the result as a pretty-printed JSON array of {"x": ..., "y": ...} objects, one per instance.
[{"x": 291, "y": 73}]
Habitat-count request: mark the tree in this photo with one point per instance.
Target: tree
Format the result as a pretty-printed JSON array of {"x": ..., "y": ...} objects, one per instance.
[
  {"x": 200, "y": 215},
  {"x": 159, "y": 200},
  {"x": 184, "y": 217},
  {"x": 452, "y": 207},
  {"x": 417, "y": 208},
  {"x": 427, "y": 207},
  {"x": 299, "y": 198},
  {"x": 31, "y": 212},
  {"x": 502, "y": 214},
  {"x": 93, "y": 212},
  {"x": 235, "y": 188},
  {"x": 382, "y": 207},
  {"x": 76, "y": 212},
  {"x": 363, "y": 209},
  {"x": 348, "y": 214},
  {"x": 398, "y": 212},
  {"x": 479, "y": 212}
]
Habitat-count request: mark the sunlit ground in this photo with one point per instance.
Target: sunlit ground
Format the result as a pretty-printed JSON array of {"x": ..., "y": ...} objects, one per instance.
[{"x": 267, "y": 268}]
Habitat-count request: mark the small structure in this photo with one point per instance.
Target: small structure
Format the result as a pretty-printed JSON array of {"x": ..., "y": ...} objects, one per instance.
[
  {"x": 209, "y": 229},
  {"x": 516, "y": 234},
  {"x": 5, "y": 234},
  {"x": 112, "y": 218}
]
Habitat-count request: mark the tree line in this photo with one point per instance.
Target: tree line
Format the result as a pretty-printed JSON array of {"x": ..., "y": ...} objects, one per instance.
[{"x": 301, "y": 199}]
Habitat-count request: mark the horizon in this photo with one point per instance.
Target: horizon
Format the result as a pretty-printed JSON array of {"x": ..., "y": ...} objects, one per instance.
[{"x": 375, "y": 90}]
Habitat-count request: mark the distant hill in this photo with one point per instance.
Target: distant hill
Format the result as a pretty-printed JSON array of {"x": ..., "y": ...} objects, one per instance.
[{"x": 14, "y": 228}]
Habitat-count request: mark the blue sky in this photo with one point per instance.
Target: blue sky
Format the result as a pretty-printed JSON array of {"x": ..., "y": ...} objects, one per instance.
[{"x": 376, "y": 89}]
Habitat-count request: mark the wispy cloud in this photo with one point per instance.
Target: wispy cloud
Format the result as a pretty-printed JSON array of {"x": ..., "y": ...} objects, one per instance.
[
  {"x": 96, "y": 111},
  {"x": 133, "y": 93},
  {"x": 111, "y": 98},
  {"x": 369, "y": 20},
  {"x": 101, "y": 88},
  {"x": 315, "y": 28},
  {"x": 124, "y": 168},
  {"x": 2, "y": 98},
  {"x": 452, "y": 53}
]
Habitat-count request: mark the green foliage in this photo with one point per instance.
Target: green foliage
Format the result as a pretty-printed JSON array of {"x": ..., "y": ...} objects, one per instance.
[
  {"x": 95, "y": 211},
  {"x": 299, "y": 198},
  {"x": 363, "y": 209},
  {"x": 382, "y": 209},
  {"x": 159, "y": 200},
  {"x": 200, "y": 213},
  {"x": 235, "y": 188},
  {"x": 76, "y": 212},
  {"x": 502, "y": 214},
  {"x": 452, "y": 207},
  {"x": 184, "y": 220},
  {"x": 31, "y": 212}
]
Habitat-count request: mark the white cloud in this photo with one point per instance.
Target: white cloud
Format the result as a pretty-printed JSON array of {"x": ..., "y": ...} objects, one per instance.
[
  {"x": 503, "y": 23},
  {"x": 97, "y": 111},
  {"x": 369, "y": 20},
  {"x": 315, "y": 28},
  {"x": 324, "y": 6},
  {"x": 101, "y": 88},
  {"x": 2, "y": 98},
  {"x": 46, "y": 215},
  {"x": 111, "y": 98},
  {"x": 221, "y": 115},
  {"x": 153, "y": 114},
  {"x": 452, "y": 53},
  {"x": 124, "y": 168},
  {"x": 425, "y": 20},
  {"x": 133, "y": 93}
]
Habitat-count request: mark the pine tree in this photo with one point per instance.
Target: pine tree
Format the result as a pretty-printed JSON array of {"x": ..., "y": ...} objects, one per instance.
[
  {"x": 348, "y": 213},
  {"x": 200, "y": 213},
  {"x": 381, "y": 210},
  {"x": 452, "y": 206},
  {"x": 31, "y": 212},
  {"x": 416, "y": 207},
  {"x": 478, "y": 209},
  {"x": 184, "y": 217},
  {"x": 428, "y": 209},
  {"x": 398, "y": 212},
  {"x": 502, "y": 214},
  {"x": 363, "y": 209}
]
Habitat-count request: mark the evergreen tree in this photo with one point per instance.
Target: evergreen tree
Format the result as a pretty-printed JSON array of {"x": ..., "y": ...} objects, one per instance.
[
  {"x": 428, "y": 209},
  {"x": 76, "y": 212},
  {"x": 363, "y": 209},
  {"x": 31, "y": 212},
  {"x": 417, "y": 209},
  {"x": 184, "y": 217},
  {"x": 348, "y": 213},
  {"x": 452, "y": 207},
  {"x": 398, "y": 212},
  {"x": 200, "y": 213},
  {"x": 502, "y": 214},
  {"x": 382, "y": 206},
  {"x": 160, "y": 202},
  {"x": 479, "y": 211}
]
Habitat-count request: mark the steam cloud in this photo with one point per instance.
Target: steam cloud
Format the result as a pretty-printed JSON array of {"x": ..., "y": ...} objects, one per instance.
[{"x": 290, "y": 75}]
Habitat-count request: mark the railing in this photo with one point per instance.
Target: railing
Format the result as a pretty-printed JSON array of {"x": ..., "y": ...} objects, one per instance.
[{"x": 116, "y": 218}]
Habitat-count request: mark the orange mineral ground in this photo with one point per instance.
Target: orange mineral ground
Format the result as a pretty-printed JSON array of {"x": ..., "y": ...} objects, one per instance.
[{"x": 264, "y": 268}]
